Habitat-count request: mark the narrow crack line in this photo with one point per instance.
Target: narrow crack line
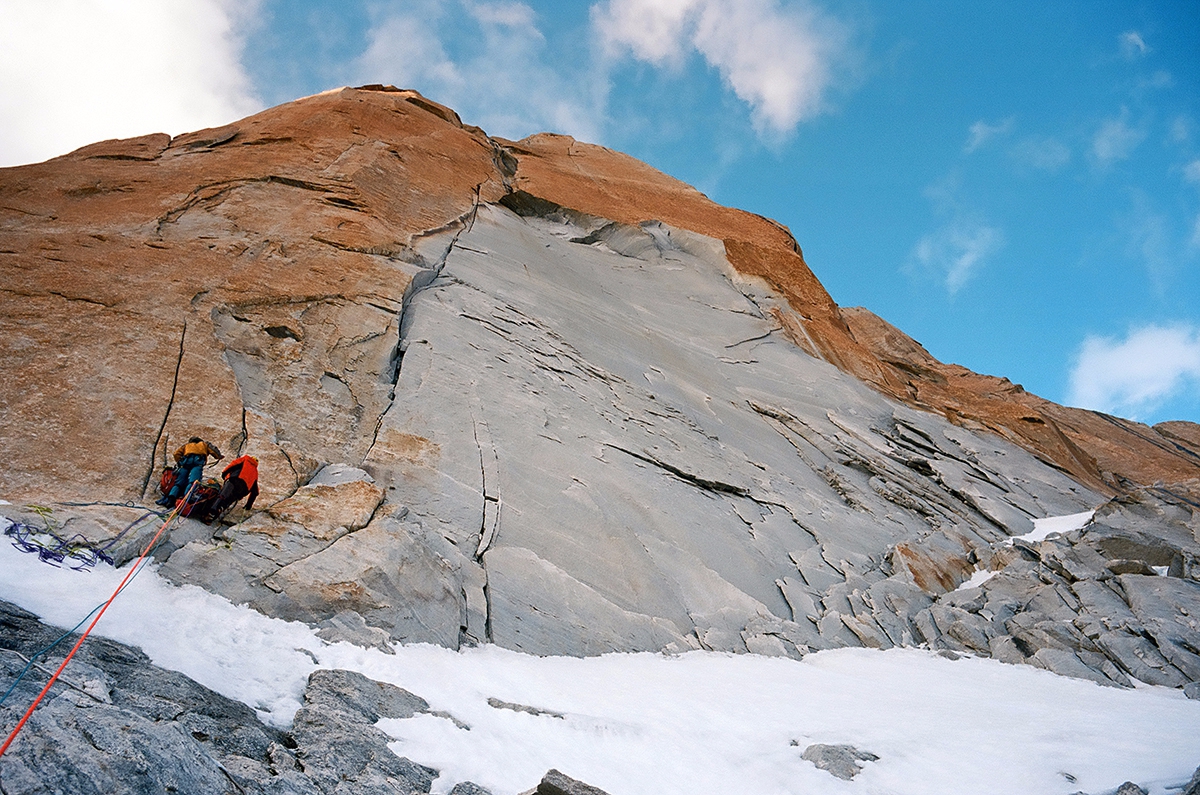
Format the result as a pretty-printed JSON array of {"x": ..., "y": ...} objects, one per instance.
[
  {"x": 790, "y": 512},
  {"x": 487, "y": 605},
  {"x": 166, "y": 415},
  {"x": 375, "y": 251},
  {"x": 245, "y": 433},
  {"x": 291, "y": 465},
  {"x": 766, "y": 334},
  {"x": 81, "y": 299},
  {"x": 695, "y": 480},
  {"x": 62, "y": 679},
  {"x": 480, "y": 549},
  {"x": 464, "y": 222}
]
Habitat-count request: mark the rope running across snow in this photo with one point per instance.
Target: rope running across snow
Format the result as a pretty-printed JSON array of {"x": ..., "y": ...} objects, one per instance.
[{"x": 132, "y": 572}]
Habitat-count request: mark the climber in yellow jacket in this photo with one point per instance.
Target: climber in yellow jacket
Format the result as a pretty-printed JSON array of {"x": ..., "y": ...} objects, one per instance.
[{"x": 190, "y": 459}]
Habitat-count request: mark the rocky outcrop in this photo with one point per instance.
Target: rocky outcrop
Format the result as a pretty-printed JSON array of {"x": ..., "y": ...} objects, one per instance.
[
  {"x": 245, "y": 283},
  {"x": 840, "y": 761},
  {"x": 556, "y": 783},
  {"x": 339, "y": 746},
  {"x": 1116, "y": 601},
  {"x": 116, "y": 724}
]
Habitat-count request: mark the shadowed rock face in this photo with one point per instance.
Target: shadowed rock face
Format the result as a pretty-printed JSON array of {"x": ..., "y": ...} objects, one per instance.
[{"x": 541, "y": 395}]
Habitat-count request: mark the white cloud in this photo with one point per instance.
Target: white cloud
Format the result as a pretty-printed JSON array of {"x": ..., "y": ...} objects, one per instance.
[
  {"x": 1191, "y": 172},
  {"x": 1047, "y": 154},
  {"x": 77, "y": 71},
  {"x": 956, "y": 250},
  {"x": 1135, "y": 375},
  {"x": 654, "y": 32},
  {"x": 782, "y": 59},
  {"x": 1133, "y": 46},
  {"x": 502, "y": 81},
  {"x": 1116, "y": 140},
  {"x": 982, "y": 132}
]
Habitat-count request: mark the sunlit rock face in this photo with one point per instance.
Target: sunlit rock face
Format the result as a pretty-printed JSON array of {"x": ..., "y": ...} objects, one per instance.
[
  {"x": 540, "y": 395},
  {"x": 600, "y": 440}
]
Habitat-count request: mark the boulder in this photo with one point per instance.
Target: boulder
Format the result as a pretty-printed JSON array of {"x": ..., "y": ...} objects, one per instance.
[
  {"x": 556, "y": 783},
  {"x": 841, "y": 761}
]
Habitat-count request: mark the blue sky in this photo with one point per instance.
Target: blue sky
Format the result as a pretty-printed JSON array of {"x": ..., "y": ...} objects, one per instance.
[{"x": 1014, "y": 184}]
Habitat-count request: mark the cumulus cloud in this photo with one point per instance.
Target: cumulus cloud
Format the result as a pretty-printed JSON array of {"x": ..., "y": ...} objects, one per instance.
[
  {"x": 1116, "y": 140},
  {"x": 1132, "y": 45},
  {"x": 782, "y": 59},
  {"x": 956, "y": 250},
  {"x": 77, "y": 71},
  {"x": 1135, "y": 375},
  {"x": 502, "y": 79},
  {"x": 982, "y": 132}
]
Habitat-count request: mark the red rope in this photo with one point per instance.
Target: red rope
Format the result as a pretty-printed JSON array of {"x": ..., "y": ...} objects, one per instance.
[{"x": 170, "y": 518}]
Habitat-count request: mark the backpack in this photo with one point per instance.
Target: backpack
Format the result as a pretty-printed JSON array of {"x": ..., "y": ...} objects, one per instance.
[
  {"x": 166, "y": 481},
  {"x": 204, "y": 494}
]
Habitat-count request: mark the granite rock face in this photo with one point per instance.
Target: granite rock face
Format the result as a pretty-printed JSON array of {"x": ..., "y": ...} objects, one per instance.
[{"x": 538, "y": 394}]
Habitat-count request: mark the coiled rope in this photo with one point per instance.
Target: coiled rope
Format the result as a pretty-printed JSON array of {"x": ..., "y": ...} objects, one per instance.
[
  {"x": 132, "y": 572},
  {"x": 82, "y": 553}
]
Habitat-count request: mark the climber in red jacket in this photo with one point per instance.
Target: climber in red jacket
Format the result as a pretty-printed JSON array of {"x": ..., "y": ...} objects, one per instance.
[{"x": 241, "y": 478}]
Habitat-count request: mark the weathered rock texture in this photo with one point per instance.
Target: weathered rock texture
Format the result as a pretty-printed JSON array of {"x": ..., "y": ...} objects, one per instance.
[
  {"x": 123, "y": 725},
  {"x": 1092, "y": 603},
  {"x": 841, "y": 761},
  {"x": 538, "y": 394},
  {"x": 1098, "y": 450},
  {"x": 556, "y": 783}
]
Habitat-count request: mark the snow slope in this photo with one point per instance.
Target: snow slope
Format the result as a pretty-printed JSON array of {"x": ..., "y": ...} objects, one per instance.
[{"x": 695, "y": 723}]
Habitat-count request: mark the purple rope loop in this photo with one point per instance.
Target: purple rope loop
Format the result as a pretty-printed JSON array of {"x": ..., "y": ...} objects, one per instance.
[{"x": 57, "y": 550}]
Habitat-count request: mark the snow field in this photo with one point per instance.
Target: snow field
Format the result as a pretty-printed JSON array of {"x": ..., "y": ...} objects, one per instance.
[{"x": 648, "y": 723}]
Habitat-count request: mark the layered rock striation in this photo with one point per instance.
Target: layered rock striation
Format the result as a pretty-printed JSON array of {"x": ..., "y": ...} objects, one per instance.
[{"x": 538, "y": 394}]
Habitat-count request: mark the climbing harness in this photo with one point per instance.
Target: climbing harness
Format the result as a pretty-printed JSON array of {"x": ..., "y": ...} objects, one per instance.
[
  {"x": 99, "y": 611},
  {"x": 81, "y": 553}
]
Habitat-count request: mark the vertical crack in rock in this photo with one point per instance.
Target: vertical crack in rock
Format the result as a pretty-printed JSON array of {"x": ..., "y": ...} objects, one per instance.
[
  {"x": 487, "y": 606},
  {"x": 490, "y": 519},
  {"x": 166, "y": 415},
  {"x": 419, "y": 283},
  {"x": 245, "y": 433}
]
